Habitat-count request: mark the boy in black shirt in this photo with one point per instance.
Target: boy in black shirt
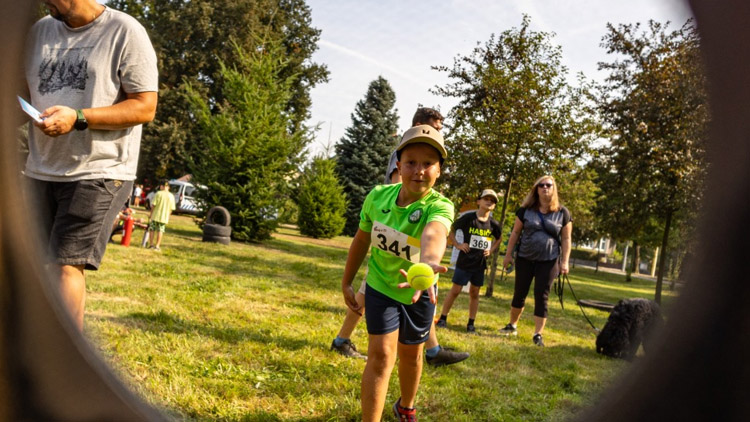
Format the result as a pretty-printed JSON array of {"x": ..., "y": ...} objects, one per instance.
[{"x": 481, "y": 235}]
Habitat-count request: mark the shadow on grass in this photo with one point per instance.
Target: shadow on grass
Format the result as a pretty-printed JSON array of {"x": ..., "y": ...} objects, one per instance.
[{"x": 161, "y": 322}]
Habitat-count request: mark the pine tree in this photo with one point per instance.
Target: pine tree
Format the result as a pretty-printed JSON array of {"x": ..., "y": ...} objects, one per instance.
[
  {"x": 362, "y": 154},
  {"x": 247, "y": 152},
  {"x": 321, "y": 200},
  {"x": 191, "y": 38}
]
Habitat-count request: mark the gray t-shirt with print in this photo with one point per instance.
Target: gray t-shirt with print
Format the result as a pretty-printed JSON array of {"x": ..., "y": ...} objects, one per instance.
[
  {"x": 91, "y": 66},
  {"x": 538, "y": 244}
]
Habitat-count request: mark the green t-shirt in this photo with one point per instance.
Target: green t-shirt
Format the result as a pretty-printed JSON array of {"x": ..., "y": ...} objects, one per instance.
[
  {"x": 163, "y": 206},
  {"x": 395, "y": 234}
]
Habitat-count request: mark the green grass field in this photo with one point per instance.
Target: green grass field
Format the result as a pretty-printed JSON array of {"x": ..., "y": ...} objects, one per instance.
[{"x": 209, "y": 332}]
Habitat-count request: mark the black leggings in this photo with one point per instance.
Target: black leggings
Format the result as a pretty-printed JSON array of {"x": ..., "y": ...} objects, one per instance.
[{"x": 544, "y": 272}]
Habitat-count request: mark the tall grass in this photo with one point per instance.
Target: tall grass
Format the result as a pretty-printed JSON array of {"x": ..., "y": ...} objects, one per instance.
[{"x": 242, "y": 333}]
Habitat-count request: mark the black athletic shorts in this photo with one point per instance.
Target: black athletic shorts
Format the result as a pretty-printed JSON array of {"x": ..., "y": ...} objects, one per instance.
[
  {"x": 462, "y": 277},
  {"x": 385, "y": 315},
  {"x": 76, "y": 218}
]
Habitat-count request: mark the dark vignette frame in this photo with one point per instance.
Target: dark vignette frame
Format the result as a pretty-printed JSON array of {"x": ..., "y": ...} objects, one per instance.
[{"x": 699, "y": 371}]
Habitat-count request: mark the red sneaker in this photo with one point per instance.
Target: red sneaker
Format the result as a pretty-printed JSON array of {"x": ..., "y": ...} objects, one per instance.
[{"x": 404, "y": 414}]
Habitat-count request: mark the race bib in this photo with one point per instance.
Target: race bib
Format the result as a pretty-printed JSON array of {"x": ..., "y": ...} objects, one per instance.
[
  {"x": 480, "y": 242},
  {"x": 394, "y": 242}
]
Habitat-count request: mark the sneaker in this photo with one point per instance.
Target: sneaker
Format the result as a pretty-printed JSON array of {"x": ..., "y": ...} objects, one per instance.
[
  {"x": 348, "y": 349},
  {"x": 509, "y": 330},
  {"x": 441, "y": 323},
  {"x": 538, "y": 340},
  {"x": 446, "y": 356},
  {"x": 470, "y": 329},
  {"x": 156, "y": 248},
  {"x": 404, "y": 414}
]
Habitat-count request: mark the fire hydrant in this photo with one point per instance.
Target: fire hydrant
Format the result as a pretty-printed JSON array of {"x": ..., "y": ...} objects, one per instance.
[{"x": 127, "y": 230}]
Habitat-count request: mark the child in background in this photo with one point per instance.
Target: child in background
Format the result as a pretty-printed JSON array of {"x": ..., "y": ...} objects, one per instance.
[{"x": 161, "y": 209}]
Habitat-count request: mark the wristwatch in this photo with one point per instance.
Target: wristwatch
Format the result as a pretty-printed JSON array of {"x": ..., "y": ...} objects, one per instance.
[{"x": 81, "y": 123}]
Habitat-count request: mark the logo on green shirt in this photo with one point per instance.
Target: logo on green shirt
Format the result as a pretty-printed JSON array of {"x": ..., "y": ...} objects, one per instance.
[{"x": 415, "y": 216}]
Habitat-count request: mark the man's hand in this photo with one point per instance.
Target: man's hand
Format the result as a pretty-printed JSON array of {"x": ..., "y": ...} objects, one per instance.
[
  {"x": 58, "y": 120},
  {"x": 464, "y": 247}
]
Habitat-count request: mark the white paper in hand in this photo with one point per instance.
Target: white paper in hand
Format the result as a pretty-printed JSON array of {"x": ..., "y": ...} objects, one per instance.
[{"x": 30, "y": 110}]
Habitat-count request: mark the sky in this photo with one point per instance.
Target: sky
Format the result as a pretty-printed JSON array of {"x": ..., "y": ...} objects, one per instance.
[{"x": 402, "y": 40}]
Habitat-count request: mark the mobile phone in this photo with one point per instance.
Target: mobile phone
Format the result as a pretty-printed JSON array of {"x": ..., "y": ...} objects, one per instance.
[{"x": 30, "y": 110}]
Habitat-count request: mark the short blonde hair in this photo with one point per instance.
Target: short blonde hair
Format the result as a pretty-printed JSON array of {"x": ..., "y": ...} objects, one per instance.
[{"x": 532, "y": 199}]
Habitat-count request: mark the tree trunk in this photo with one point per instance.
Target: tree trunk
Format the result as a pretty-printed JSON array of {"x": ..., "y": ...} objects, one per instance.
[
  {"x": 662, "y": 258},
  {"x": 493, "y": 268},
  {"x": 654, "y": 262},
  {"x": 636, "y": 257}
]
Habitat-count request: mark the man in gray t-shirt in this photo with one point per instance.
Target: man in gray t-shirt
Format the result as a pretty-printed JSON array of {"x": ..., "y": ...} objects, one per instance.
[{"x": 92, "y": 73}]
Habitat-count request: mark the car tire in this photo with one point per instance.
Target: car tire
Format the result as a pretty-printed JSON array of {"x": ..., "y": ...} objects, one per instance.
[
  {"x": 217, "y": 230},
  {"x": 218, "y": 216},
  {"x": 224, "y": 240}
]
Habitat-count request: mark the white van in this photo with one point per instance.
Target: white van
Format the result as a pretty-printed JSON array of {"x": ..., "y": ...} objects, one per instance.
[{"x": 183, "y": 193}]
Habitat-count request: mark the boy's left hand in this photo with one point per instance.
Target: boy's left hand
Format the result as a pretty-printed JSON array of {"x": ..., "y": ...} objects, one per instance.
[{"x": 431, "y": 291}]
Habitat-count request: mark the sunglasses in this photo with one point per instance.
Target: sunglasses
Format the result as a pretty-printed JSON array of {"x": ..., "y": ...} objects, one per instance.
[{"x": 545, "y": 185}]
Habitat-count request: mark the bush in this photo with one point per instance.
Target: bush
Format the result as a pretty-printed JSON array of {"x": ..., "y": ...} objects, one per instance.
[
  {"x": 583, "y": 254},
  {"x": 321, "y": 201}
]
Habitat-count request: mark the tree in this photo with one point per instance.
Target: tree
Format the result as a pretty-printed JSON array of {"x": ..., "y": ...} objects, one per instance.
[
  {"x": 516, "y": 119},
  {"x": 321, "y": 200},
  {"x": 247, "y": 152},
  {"x": 362, "y": 154},
  {"x": 191, "y": 39},
  {"x": 654, "y": 105}
]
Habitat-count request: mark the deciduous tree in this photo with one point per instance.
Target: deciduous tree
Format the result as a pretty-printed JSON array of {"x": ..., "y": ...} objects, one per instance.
[
  {"x": 655, "y": 108},
  {"x": 517, "y": 118}
]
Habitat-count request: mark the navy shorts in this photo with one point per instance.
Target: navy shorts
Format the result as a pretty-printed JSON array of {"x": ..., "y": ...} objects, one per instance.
[
  {"x": 75, "y": 218},
  {"x": 385, "y": 315},
  {"x": 462, "y": 277}
]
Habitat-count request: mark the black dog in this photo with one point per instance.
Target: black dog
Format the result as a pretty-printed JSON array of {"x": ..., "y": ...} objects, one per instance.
[{"x": 628, "y": 325}]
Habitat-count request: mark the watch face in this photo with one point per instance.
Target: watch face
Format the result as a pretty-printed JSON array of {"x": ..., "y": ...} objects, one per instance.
[{"x": 81, "y": 125}]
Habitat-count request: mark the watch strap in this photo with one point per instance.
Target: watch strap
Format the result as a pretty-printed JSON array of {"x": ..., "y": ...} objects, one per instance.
[{"x": 81, "y": 122}]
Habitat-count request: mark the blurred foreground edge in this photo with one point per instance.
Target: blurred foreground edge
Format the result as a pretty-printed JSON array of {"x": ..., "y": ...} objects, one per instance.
[{"x": 49, "y": 372}]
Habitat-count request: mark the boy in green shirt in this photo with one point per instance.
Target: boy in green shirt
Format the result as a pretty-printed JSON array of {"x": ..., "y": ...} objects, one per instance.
[
  {"x": 160, "y": 211},
  {"x": 400, "y": 224}
]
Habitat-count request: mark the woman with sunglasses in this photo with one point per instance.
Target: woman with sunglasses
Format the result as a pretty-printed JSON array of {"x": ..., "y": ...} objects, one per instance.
[{"x": 543, "y": 227}]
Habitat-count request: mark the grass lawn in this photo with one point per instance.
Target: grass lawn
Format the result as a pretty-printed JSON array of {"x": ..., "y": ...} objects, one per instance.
[{"x": 242, "y": 332}]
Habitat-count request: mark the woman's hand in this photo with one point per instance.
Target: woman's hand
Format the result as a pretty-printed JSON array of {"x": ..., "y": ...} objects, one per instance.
[
  {"x": 507, "y": 260},
  {"x": 564, "y": 268}
]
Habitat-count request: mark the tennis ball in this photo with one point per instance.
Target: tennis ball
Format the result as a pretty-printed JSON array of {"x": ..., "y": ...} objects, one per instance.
[{"x": 420, "y": 276}]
